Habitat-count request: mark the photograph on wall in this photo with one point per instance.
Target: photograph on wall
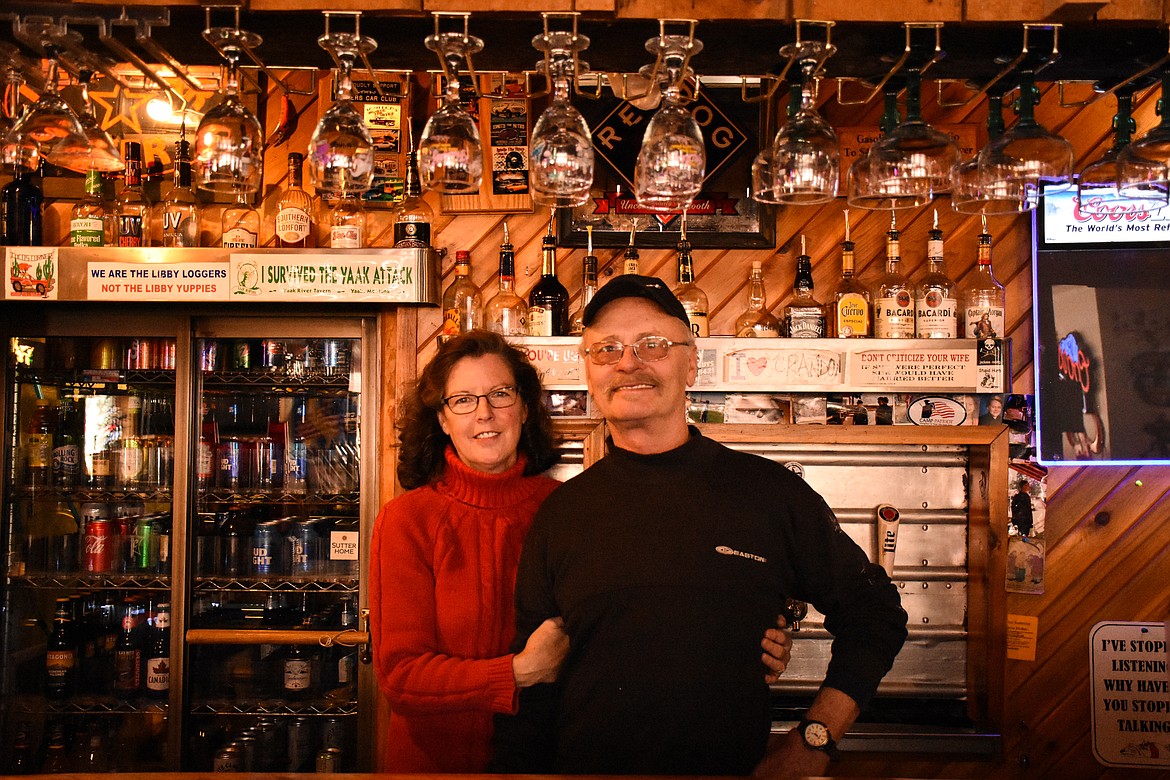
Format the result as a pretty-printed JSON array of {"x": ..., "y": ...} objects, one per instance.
[{"x": 1026, "y": 542}]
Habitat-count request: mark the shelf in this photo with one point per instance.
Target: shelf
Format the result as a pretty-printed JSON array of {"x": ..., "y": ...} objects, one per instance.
[
  {"x": 94, "y": 581},
  {"x": 259, "y": 495},
  {"x": 273, "y": 707},
  {"x": 91, "y": 705},
  {"x": 147, "y": 495},
  {"x": 309, "y": 582}
]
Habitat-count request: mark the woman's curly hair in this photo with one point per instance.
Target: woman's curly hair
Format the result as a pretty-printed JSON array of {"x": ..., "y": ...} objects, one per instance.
[{"x": 421, "y": 439}]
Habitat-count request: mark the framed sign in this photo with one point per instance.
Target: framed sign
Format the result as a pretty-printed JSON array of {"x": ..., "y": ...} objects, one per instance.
[{"x": 723, "y": 215}]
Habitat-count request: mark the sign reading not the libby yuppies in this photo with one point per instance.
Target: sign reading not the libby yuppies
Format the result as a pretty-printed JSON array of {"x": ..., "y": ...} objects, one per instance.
[
  {"x": 1131, "y": 693},
  {"x": 120, "y": 281},
  {"x": 303, "y": 277}
]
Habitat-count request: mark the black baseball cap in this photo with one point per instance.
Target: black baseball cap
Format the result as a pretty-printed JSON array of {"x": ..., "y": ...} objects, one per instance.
[{"x": 634, "y": 286}]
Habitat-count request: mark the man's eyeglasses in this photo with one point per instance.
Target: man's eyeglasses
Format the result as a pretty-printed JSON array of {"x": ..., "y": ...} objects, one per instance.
[
  {"x": 466, "y": 403},
  {"x": 648, "y": 349}
]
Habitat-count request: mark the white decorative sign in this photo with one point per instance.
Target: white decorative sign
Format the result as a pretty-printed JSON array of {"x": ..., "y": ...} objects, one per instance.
[
  {"x": 113, "y": 281},
  {"x": 1131, "y": 694},
  {"x": 316, "y": 277},
  {"x": 913, "y": 368},
  {"x": 556, "y": 359},
  {"x": 772, "y": 367}
]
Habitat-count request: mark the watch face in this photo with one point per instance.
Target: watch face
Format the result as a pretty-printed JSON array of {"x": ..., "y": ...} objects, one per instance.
[{"x": 816, "y": 735}]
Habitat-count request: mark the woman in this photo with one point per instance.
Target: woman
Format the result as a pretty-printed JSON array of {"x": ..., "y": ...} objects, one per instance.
[{"x": 474, "y": 438}]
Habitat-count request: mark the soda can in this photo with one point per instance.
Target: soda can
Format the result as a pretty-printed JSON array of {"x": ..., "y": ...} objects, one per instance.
[
  {"x": 300, "y": 743},
  {"x": 329, "y": 760},
  {"x": 272, "y": 355},
  {"x": 99, "y": 546},
  {"x": 334, "y": 356},
  {"x": 209, "y": 358},
  {"x": 145, "y": 547},
  {"x": 303, "y": 544},
  {"x": 241, "y": 354},
  {"x": 333, "y": 733},
  {"x": 165, "y": 354},
  {"x": 228, "y": 759},
  {"x": 267, "y": 548}
]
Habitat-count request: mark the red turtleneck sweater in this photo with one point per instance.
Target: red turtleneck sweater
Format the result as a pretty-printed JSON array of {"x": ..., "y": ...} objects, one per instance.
[{"x": 443, "y": 569}]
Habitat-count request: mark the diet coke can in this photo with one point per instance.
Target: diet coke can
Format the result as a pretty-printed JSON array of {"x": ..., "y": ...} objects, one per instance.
[{"x": 98, "y": 551}]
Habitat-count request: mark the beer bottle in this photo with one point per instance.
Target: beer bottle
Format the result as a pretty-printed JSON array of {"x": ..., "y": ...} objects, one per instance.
[
  {"x": 128, "y": 656},
  {"x": 20, "y": 759},
  {"x": 66, "y": 450},
  {"x": 296, "y": 679},
  {"x": 61, "y": 655},
  {"x": 38, "y": 444},
  {"x": 158, "y": 655},
  {"x": 57, "y": 756}
]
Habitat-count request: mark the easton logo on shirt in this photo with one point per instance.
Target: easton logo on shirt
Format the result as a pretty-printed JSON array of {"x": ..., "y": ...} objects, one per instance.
[{"x": 725, "y": 550}]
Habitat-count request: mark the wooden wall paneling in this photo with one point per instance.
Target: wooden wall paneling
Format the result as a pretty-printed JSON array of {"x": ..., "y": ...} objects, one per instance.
[
  {"x": 705, "y": 9},
  {"x": 879, "y": 10}
]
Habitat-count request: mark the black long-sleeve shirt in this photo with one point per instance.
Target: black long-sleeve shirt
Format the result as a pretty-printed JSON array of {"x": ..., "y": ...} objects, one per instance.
[{"x": 667, "y": 570}]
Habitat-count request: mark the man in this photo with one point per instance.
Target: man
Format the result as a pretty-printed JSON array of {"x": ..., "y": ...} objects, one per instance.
[
  {"x": 666, "y": 560},
  {"x": 994, "y": 413}
]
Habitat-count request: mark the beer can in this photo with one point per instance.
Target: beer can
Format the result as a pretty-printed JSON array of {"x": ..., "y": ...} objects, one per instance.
[
  {"x": 333, "y": 733},
  {"x": 106, "y": 353},
  {"x": 334, "y": 357},
  {"x": 300, "y": 743},
  {"x": 241, "y": 354},
  {"x": 329, "y": 760},
  {"x": 249, "y": 746},
  {"x": 209, "y": 358},
  {"x": 303, "y": 544},
  {"x": 145, "y": 547},
  {"x": 99, "y": 547},
  {"x": 228, "y": 759},
  {"x": 272, "y": 356},
  {"x": 267, "y": 548},
  {"x": 228, "y": 471},
  {"x": 165, "y": 354}
]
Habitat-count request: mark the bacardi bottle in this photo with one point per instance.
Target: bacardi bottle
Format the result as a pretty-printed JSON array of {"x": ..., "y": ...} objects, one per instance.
[
  {"x": 507, "y": 313},
  {"x": 462, "y": 302},
  {"x": 588, "y": 285},
  {"x": 935, "y": 307},
  {"x": 982, "y": 298},
  {"x": 294, "y": 216},
  {"x": 851, "y": 304},
  {"x": 548, "y": 303},
  {"x": 757, "y": 321},
  {"x": 689, "y": 294},
  {"x": 804, "y": 317},
  {"x": 893, "y": 297}
]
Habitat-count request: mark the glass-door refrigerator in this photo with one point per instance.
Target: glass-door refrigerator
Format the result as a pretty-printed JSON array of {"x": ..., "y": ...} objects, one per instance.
[{"x": 186, "y": 510}]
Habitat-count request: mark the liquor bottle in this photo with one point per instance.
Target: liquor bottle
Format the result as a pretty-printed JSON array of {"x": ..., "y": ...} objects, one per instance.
[
  {"x": 588, "y": 285},
  {"x": 804, "y": 318},
  {"x": 296, "y": 674},
  {"x": 131, "y": 207},
  {"x": 630, "y": 257},
  {"x": 294, "y": 215},
  {"x": 38, "y": 445},
  {"x": 22, "y": 202},
  {"x": 548, "y": 303},
  {"x": 347, "y": 223},
  {"x": 413, "y": 217},
  {"x": 756, "y": 320},
  {"x": 851, "y": 305},
  {"x": 240, "y": 224},
  {"x": 158, "y": 655},
  {"x": 66, "y": 467},
  {"x": 128, "y": 655},
  {"x": 89, "y": 224},
  {"x": 180, "y": 208},
  {"x": 61, "y": 654},
  {"x": 462, "y": 302},
  {"x": 689, "y": 294},
  {"x": 893, "y": 297},
  {"x": 936, "y": 312},
  {"x": 506, "y": 312},
  {"x": 982, "y": 298}
]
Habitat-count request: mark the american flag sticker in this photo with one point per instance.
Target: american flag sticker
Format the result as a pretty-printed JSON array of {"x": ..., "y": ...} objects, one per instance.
[{"x": 936, "y": 410}]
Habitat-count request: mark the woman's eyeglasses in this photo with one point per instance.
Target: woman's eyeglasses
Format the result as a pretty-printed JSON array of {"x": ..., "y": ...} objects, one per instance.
[
  {"x": 648, "y": 349},
  {"x": 466, "y": 403}
]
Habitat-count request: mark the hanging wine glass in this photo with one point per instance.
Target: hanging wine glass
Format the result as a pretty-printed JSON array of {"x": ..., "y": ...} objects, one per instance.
[
  {"x": 865, "y": 191},
  {"x": 99, "y": 152},
  {"x": 1098, "y": 190},
  {"x": 450, "y": 156},
  {"x": 47, "y": 125},
  {"x": 560, "y": 151},
  {"x": 341, "y": 150},
  {"x": 229, "y": 143},
  {"x": 1027, "y": 156},
  {"x": 805, "y": 153},
  {"x": 763, "y": 186},
  {"x": 970, "y": 196},
  {"x": 914, "y": 155},
  {"x": 1144, "y": 165},
  {"x": 672, "y": 161},
  {"x": 15, "y": 150}
]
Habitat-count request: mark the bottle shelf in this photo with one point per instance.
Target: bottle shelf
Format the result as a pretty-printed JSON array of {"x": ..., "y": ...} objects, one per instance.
[
  {"x": 88, "y": 581},
  {"x": 148, "y": 495},
  {"x": 316, "y": 707},
  {"x": 260, "y": 495},
  {"x": 310, "y": 582},
  {"x": 91, "y": 705}
]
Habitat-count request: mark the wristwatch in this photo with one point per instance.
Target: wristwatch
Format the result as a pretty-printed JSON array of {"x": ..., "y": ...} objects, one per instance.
[{"x": 816, "y": 736}]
